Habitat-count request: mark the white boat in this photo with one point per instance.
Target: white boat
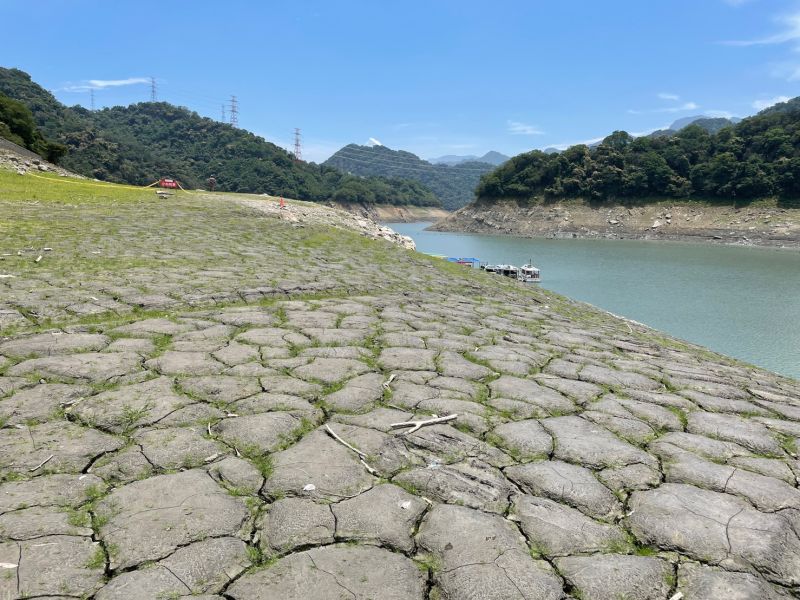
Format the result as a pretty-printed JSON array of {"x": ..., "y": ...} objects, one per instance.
[{"x": 530, "y": 274}]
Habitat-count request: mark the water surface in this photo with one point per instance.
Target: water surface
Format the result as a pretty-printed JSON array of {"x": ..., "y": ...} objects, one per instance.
[{"x": 740, "y": 301}]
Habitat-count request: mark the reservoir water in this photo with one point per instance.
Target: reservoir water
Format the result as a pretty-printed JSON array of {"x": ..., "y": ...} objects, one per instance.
[{"x": 743, "y": 302}]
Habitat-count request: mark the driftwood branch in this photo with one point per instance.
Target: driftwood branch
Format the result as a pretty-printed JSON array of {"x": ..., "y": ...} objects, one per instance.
[
  {"x": 361, "y": 455},
  {"x": 41, "y": 464},
  {"x": 341, "y": 441},
  {"x": 389, "y": 381},
  {"x": 415, "y": 425}
]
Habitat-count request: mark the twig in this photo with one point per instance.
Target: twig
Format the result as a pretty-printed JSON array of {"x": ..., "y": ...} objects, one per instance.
[
  {"x": 415, "y": 425},
  {"x": 389, "y": 381},
  {"x": 368, "y": 468},
  {"x": 41, "y": 464},
  {"x": 341, "y": 441},
  {"x": 361, "y": 455}
]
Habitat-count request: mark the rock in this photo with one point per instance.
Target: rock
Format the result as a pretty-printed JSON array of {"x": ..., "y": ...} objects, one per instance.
[
  {"x": 56, "y": 446},
  {"x": 47, "y": 344},
  {"x": 40, "y": 521},
  {"x": 612, "y": 576},
  {"x": 237, "y": 474},
  {"x": 334, "y": 573},
  {"x": 331, "y": 370},
  {"x": 65, "y": 491},
  {"x": 716, "y": 528},
  {"x": 265, "y": 432},
  {"x": 554, "y": 530},
  {"x": 479, "y": 555},
  {"x": 700, "y": 582},
  {"x": 408, "y": 359},
  {"x": 293, "y": 523},
  {"x": 131, "y": 406},
  {"x": 752, "y": 435},
  {"x": 569, "y": 484},
  {"x": 579, "y": 441},
  {"x": 386, "y": 515},
  {"x": 54, "y": 566},
  {"x": 358, "y": 393},
  {"x": 41, "y": 403},
  {"x": 470, "y": 483},
  {"x": 149, "y": 519},
  {"x": 524, "y": 439},
  {"x": 176, "y": 447},
  {"x": 526, "y": 390},
  {"x": 317, "y": 459},
  {"x": 92, "y": 366},
  {"x": 185, "y": 363}
]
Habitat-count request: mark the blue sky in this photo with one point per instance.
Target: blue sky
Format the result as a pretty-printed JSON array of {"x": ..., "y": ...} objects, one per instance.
[{"x": 433, "y": 77}]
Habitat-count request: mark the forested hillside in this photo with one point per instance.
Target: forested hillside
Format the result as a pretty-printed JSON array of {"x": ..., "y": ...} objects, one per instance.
[
  {"x": 756, "y": 158},
  {"x": 453, "y": 185},
  {"x": 139, "y": 143}
]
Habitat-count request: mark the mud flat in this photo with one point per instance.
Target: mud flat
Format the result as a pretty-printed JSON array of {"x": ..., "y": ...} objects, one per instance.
[{"x": 201, "y": 398}]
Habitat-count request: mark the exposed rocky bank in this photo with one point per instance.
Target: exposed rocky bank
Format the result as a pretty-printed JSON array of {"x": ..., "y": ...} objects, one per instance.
[
  {"x": 178, "y": 381},
  {"x": 395, "y": 214},
  {"x": 755, "y": 225}
]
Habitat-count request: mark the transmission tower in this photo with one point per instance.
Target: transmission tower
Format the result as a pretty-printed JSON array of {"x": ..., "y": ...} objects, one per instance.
[
  {"x": 298, "y": 155},
  {"x": 153, "y": 90},
  {"x": 91, "y": 95},
  {"x": 223, "y": 114},
  {"x": 234, "y": 111}
]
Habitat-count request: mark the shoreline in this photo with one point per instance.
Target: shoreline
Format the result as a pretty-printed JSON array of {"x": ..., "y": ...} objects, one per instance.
[{"x": 750, "y": 226}]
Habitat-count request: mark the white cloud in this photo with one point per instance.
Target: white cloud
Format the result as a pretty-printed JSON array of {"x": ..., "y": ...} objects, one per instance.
[
  {"x": 667, "y": 109},
  {"x": 762, "y": 104},
  {"x": 100, "y": 84},
  {"x": 666, "y": 96},
  {"x": 374, "y": 142},
  {"x": 517, "y": 128},
  {"x": 790, "y": 33}
]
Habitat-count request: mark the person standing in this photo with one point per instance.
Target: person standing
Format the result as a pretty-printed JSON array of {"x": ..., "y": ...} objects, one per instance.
[{"x": 212, "y": 183}]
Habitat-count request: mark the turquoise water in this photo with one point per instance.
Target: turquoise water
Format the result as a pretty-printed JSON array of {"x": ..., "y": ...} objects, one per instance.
[{"x": 743, "y": 302}]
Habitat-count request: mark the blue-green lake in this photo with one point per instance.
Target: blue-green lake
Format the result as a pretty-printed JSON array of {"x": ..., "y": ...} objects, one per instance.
[{"x": 740, "y": 301}]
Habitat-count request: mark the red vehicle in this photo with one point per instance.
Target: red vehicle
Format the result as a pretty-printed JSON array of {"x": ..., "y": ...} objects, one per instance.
[{"x": 166, "y": 182}]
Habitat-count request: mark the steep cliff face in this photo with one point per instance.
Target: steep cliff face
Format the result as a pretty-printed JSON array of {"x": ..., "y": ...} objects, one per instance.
[{"x": 761, "y": 225}]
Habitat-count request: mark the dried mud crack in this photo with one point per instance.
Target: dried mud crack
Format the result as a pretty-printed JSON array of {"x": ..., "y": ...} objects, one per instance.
[{"x": 181, "y": 448}]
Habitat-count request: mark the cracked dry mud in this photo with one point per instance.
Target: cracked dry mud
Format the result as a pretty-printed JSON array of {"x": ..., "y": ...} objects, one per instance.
[{"x": 184, "y": 452}]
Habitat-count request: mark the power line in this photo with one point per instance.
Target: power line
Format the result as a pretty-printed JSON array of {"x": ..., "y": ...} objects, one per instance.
[
  {"x": 153, "y": 90},
  {"x": 234, "y": 111},
  {"x": 298, "y": 155},
  {"x": 91, "y": 95}
]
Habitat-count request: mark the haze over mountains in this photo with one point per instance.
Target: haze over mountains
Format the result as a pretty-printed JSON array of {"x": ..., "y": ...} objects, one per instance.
[
  {"x": 491, "y": 157},
  {"x": 454, "y": 185}
]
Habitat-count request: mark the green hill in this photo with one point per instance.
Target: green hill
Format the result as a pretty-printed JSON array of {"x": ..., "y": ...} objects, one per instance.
[
  {"x": 453, "y": 185},
  {"x": 137, "y": 144},
  {"x": 758, "y": 157}
]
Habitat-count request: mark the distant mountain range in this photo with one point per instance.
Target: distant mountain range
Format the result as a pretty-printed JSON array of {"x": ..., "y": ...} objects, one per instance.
[
  {"x": 491, "y": 157},
  {"x": 703, "y": 121},
  {"x": 454, "y": 185}
]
